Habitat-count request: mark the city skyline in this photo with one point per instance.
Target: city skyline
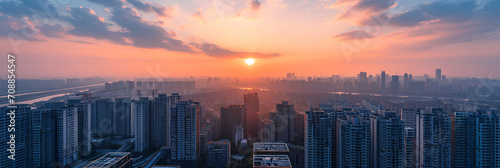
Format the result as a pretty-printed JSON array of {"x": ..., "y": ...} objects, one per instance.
[{"x": 317, "y": 37}]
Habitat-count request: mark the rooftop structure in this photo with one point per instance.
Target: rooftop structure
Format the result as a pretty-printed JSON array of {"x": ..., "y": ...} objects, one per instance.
[
  {"x": 281, "y": 161},
  {"x": 270, "y": 148}
]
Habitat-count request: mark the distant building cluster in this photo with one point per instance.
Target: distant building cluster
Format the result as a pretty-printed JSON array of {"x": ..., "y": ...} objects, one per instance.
[
  {"x": 385, "y": 83},
  {"x": 38, "y": 84},
  {"x": 160, "y": 85}
]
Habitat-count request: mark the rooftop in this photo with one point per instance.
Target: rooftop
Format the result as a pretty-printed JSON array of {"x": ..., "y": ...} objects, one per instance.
[
  {"x": 270, "y": 147},
  {"x": 271, "y": 161}
]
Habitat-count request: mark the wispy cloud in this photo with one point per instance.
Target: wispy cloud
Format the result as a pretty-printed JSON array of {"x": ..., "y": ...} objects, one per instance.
[{"x": 219, "y": 52}]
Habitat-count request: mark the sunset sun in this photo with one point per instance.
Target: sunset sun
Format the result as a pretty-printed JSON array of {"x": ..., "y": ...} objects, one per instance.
[{"x": 249, "y": 61}]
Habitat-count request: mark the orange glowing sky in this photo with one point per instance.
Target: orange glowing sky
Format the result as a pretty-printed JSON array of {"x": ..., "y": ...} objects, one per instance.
[{"x": 135, "y": 38}]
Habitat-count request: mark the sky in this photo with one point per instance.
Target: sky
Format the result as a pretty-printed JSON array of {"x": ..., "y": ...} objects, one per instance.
[{"x": 137, "y": 38}]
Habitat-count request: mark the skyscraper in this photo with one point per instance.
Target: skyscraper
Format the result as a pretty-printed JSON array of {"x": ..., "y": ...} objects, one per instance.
[
  {"x": 54, "y": 135},
  {"x": 218, "y": 153},
  {"x": 353, "y": 141},
  {"x": 22, "y": 135},
  {"x": 382, "y": 80},
  {"x": 122, "y": 117},
  {"x": 267, "y": 130},
  {"x": 284, "y": 120},
  {"x": 438, "y": 74},
  {"x": 102, "y": 117},
  {"x": 159, "y": 121},
  {"x": 487, "y": 135},
  {"x": 296, "y": 155},
  {"x": 395, "y": 83},
  {"x": 84, "y": 125},
  {"x": 44, "y": 135},
  {"x": 185, "y": 132},
  {"x": 231, "y": 117},
  {"x": 362, "y": 81},
  {"x": 387, "y": 140},
  {"x": 172, "y": 101},
  {"x": 406, "y": 80},
  {"x": 409, "y": 146},
  {"x": 300, "y": 121},
  {"x": 433, "y": 138},
  {"x": 409, "y": 117},
  {"x": 67, "y": 135},
  {"x": 460, "y": 133},
  {"x": 318, "y": 144},
  {"x": 141, "y": 110},
  {"x": 475, "y": 139},
  {"x": 251, "y": 101}
]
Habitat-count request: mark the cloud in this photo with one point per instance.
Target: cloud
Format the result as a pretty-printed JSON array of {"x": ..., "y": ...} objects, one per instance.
[
  {"x": 219, "y": 52},
  {"x": 28, "y": 8},
  {"x": 198, "y": 13},
  {"x": 125, "y": 26},
  {"x": 450, "y": 22},
  {"x": 150, "y": 7},
  {"x": 364, "y": 12},
  {"x": 78, "y": 41},
  {"x": 87, "y": 23},
  {"x": 53, "y": 30},
  {"x": 144, "y": 6},
  {"x": 255, "y": 4},
  {"x": 374, "y": 5},
  {"x": 108, "y": 3},
  {"x": 17, "y": 28},
  {"x": 366, "y": 5},
  {"x": 409, "y": 18},
  {"x": 450, "y": 12},
  {"x": 376, "y": 20},
  {"x": 354, "y": 35},
  {"x": 146, "y": 34}
]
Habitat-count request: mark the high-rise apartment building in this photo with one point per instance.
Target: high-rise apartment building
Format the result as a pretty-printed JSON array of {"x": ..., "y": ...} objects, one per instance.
[
  {"x": 159, "y": 121},
  {"x": 475, "y": 139},
  {"x": 122, "y": 117},
  {"x": 433, "y": 138},
  {"x": 84, "y": 125},
  {"x": 185, "y": 132},
  {"x": 251, "y": 101},
  {"x": 387, "y": 140},
  {"x": 409, "y": 147},
  {"x": 382, "y": 80},
  {"x": 318, "y": 144},
  {"x": 218, "y": 153},
  {"x": 438, "y": 74},
  {"x": 141, "y": 110},
  {"x": 353, "y": 141},
  {"x": 102, "y": 111},
  {"x": 231, "y": 117},
  {"x": 409, "y": 117},
  {"x": 43, "y": 136},
  {"x": 395, "y": 83},
  {"x": 284, "y": 120},
  {"x": 67, "y": 135},
  {"x": 21, "y": 114}
]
